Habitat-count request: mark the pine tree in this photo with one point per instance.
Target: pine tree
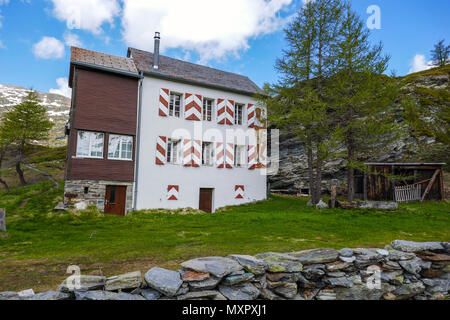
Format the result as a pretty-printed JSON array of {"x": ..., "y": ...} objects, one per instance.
[
  {"x": 3, "y": 148},
  {"x": 298, "y": 103},
  {"x": 24, "y": 123},
  {"x": 440, "y": 54},
  {"x": 361, "y": 94}
]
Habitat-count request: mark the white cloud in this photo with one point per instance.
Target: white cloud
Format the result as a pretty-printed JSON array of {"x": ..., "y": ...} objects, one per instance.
[
  {"x": 88, "y": 15},
  {"x": 2, "y": 2},
  {"x": 49, "y": 48},
  {"x": 72, "y": 39},
  {"x": 63, "y": 88},
  {"x": 212, "y": 28},
  {"x": 419, "y": 63},
  {"x": 2, "y": 46}
]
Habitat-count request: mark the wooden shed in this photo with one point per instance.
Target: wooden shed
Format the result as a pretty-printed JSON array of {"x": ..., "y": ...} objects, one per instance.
[{"x": 402, "y": 182}]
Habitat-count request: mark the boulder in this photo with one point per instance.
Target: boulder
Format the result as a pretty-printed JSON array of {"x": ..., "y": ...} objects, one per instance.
[
  {"x": 232, "y": 280},
  {"x": 9, "y": 295},
  {"x": 362, "y": 292},
  {"x": 280, "y": 262},
  {"x": 165, "y": 281},
  {"x": 346, "y": 252},
  {"x": 287, "y": 290},
  {"x": 85, "y": 283},
  {"x": 413, "y": 266},
  {"x": 189, "y": 275},
  {"x": 316, "y": 256},
  {"x": 338, "y": 265},
  {"x": 314, "y": 272},
  {"x": 326, "y": 294},
  {"x": 321, "y": 205},
  {"x": 150, "y": 294},
  {"x": 393, "y": 277},
  {"x": 51, "y": 295},
  {"x": 217, "y": 266},
  {"x": 245, "y": 291},
  {"x": 437, "y": 285},
  {"x": 129, "y": 280},
  {"x": 411, "y": 246},
  {"x": 201, "y": 294},
  {"x": 206, "y": 284},
  {"x": 339, "y": 282},
  {"x": 106, "y": 295},
  {"x": 397, "y": 255},
  {"x": 250, "y": 263},
  {"x": 409, "y": 290}
]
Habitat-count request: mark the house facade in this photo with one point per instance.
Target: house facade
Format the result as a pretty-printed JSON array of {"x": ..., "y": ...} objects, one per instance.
[{"x": 148, "y": 131}]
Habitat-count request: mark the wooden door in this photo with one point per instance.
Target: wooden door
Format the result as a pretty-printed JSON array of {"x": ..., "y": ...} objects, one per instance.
[
  {"x": 115, "y": 199},
  {"x": 205, "y": 201}
]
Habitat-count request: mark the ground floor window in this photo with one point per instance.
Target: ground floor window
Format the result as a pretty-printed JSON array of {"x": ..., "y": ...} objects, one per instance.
[
  {"x": 90, "y": 144},
  {"x": 239, "y": 156}
]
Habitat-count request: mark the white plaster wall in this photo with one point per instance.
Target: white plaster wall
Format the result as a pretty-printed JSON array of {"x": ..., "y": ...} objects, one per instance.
[{"x": 153, "y": 179}]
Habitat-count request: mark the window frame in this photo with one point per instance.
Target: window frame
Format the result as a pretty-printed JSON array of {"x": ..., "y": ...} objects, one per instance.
[
  {"x": 211, "y": 153},
  {"x": 120, "y": 147},
  {"x": 242, "y": 107},
  {"x": 211, "y": 109},
  {"x": 172, "y": 105},
  {"x": 89, "y": 156},
  {"x": 169, "y": 151},
  {"x": 241, "y": 162}
]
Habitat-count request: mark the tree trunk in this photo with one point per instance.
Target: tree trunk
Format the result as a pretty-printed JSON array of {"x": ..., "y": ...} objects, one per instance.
[
  {"x": 311, "y": 175},
  {"x": 350, "y": 170},
  {"x": 318, "y": 179},
  {"x": 20, "y": 173},
  {"x": 3, "y": 182}
]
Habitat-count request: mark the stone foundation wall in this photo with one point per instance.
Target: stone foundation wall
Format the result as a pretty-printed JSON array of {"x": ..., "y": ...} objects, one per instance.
[
  {"x": 74, "y": 193},
  {"x": 403, "y": 270}
]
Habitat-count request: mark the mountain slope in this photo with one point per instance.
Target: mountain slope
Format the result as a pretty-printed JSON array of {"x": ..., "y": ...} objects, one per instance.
[{"x": 58, "y": 107}]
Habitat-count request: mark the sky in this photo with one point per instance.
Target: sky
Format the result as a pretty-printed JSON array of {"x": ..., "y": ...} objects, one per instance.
[{"x": 241, "y": 36}]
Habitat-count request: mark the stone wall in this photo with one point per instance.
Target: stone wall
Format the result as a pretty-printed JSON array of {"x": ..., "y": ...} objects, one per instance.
[
  {"x": 74, "y": 193},
  {"x": 403, "y": 270}
]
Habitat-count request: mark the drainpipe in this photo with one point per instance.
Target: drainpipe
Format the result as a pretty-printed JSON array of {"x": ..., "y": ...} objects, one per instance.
[{"x": 138, "y": 139}]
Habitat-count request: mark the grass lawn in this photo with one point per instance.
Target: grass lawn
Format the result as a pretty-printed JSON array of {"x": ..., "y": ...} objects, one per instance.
[{"x": 40, "y": 243}]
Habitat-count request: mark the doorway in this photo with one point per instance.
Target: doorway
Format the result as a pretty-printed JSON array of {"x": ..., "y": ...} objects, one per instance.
[
  {"x": 115, "y": 199},
  {"x": 206, "y": 200}
]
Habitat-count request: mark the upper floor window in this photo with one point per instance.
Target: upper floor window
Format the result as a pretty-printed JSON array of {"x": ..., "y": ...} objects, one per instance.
[
  {"x": 207, "y": 153},
  {"x": 120, "y": 147},
  {"x": 207, "y": 109},
  {"x": 239, "y": 155},
  {"x": 238, "y": 109},
  {"x": 173, "y": 151},
  {"x": 90, "y": 144},
  {"x": 175, "y": 105}
]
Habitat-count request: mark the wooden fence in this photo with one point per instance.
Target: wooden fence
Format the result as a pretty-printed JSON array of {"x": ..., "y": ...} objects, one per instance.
[{"x": 408, "y": 193}]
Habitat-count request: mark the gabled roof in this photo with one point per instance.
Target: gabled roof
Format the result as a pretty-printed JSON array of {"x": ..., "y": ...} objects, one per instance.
[
  {"x": 183, "y": 71},
  {"x": 102, "y": 61}
]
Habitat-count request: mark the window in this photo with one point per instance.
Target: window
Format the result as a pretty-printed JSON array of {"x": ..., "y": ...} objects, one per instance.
[
  {"x": 90, "y": 144},
  {"x": 173, "y": 151},
  {"x": 112, "y": 195},
  {"x": 120, "y": 147},
  {"x": 238, "y": 156},
  {"x": 238, "y": 109},
  {"x": 175, "y": 105},
  {"x": 207, "y": 109},
  {"x": 207, "y": 153}
]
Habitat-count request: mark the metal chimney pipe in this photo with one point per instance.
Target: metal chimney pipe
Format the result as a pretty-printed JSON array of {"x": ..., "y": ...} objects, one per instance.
[{"x": 156, "y": 51}]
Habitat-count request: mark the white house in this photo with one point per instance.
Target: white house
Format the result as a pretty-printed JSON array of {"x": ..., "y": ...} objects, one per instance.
[{"x": 200, "y": 139}]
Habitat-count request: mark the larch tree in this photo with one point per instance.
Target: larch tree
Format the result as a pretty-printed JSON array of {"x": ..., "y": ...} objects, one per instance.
[
  {"x": 363, "y": 98},
  {"x": 23, "y": 124},
  {"x": 440, "y": 54}
]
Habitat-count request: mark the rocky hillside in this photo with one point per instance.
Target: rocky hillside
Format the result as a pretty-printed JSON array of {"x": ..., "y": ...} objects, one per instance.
[
  {"x": 431, "y": 87},
  {"x": 57, "y": 105}
]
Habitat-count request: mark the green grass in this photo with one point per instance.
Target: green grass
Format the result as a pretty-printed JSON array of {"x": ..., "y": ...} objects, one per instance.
[{"x": 36, "y": 234}]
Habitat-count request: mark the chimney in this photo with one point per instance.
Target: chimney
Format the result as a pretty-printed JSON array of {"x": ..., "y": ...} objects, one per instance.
[{"x": 156, "y": 51}]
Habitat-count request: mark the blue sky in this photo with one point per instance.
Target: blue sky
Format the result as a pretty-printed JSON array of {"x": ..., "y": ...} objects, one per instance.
[{"x": 243, "y": 36}]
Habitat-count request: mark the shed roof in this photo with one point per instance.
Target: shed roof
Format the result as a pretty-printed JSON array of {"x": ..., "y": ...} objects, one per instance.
[{"x": 175, "y": 69}]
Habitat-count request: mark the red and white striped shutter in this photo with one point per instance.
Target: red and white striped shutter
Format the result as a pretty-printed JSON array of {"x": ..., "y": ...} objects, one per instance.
[
  {"x": 161, "y": 146},
  {"x": 196, "y": 152},
  {"x": 164, "y": 102},
  {"x": 221, "y": 111},
  {"x": 219, "y": 155},
  {"x": 251, "y": 115},
  {"x": 251, "y": 157},
  {"x": 230, "y": 112},
  {"x": 229, "y": 155},
  {"x": 193, "y": 106},
  {"x": 172, "y": 192},
  {"x": 239, "y": 192},
  {"x": 187, "y": 152}
]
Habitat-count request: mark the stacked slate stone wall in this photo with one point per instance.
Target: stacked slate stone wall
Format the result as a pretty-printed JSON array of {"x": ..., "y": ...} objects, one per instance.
[{"x": 403, "y": 270}]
